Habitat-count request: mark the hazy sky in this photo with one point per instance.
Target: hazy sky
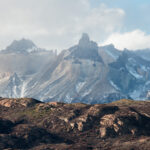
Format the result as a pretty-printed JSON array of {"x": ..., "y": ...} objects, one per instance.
[{"x": 59, "y": 24}]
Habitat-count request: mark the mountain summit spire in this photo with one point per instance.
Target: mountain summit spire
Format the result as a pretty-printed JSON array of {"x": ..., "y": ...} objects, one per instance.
[
  {"x": 20, "y": 45},
  {"x": 84, "y": 39},
  {"x": 86, "y": 49}
]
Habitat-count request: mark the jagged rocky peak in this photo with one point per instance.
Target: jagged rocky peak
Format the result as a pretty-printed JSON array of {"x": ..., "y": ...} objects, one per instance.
[
  {"x": 20, "y": 45},
  {"x": 85, "y": 42},
  {"x": 110, "y": 46},
  {"x": 84, "y": 39},
  {"x": 86, "y": 49},
  {"x": 109, "y": 53}
]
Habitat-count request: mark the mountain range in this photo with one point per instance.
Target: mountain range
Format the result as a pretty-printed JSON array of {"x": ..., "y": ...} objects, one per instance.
[{"x": 85, "y": 73}]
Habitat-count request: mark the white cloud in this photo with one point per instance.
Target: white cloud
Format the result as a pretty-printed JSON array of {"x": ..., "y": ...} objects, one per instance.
[
  {"x": 102, "y": 21},
  {"x": 136, "y": 39},
  {"x": 56, "y": 23}
]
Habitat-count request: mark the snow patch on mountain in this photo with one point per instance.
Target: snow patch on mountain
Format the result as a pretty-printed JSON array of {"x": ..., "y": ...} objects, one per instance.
[
  {"x": 68, "y": 98},
  {"x": 23, "y": 89},
  {"x": 79, "y": 86},
  {"x": 112, "y": 54},
  {"x": 114, "y": 85},
  {"x": 133, "y": 72},
  {"x": 87, "y": 92},
  {"x": 136, "y": 94}
]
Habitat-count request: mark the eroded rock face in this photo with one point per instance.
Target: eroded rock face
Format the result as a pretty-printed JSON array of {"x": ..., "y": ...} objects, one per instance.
[
  {"x": 25, "y": 102},
  {"x": 126, "y": 122},
  {"x": 27, "y": 123}
]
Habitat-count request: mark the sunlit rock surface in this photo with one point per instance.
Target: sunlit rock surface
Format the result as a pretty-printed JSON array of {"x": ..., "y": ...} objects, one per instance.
[{"x": 31, "y": 124}]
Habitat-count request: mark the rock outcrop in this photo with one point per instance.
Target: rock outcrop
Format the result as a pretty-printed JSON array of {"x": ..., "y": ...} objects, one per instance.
[{"x": 30, "y": 124}]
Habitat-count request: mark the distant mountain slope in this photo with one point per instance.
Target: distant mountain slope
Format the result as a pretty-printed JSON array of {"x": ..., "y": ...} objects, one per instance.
[
  {"x": 19, "y": 63},
  {"x": 83, "y": 73},
  {"x": 22, "y": 46},
  {"x": 76, "y": 76},
  {"x": 109, "y": 53}
]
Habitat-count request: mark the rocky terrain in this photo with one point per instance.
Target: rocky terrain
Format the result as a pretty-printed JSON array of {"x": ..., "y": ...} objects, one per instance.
[
  {"x": 31, "y": 124},
  {"x": 84, "y": 73}
]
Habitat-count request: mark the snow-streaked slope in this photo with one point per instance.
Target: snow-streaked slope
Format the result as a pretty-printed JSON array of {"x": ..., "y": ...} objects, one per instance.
[
  {"x": 109, "y": 53},
  {"x": 77, "y": 81},
  {"x": 83, "y": 73},
  {"x": 74, "y": 77}
]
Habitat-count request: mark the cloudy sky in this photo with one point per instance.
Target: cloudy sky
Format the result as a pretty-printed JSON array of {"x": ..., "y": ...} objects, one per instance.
[{"x": 58, "y": 24}]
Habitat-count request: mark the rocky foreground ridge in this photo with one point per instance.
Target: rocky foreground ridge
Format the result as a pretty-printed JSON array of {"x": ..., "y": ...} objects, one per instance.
[{"x": 31, "y": 124}]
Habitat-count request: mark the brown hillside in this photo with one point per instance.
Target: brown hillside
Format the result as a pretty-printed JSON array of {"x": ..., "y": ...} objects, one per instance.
[{"x": 30, "y": 124}]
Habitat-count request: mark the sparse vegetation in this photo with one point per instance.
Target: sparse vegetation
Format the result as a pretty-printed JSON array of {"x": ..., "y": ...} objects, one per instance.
[{"x": 30, "y": 124}]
